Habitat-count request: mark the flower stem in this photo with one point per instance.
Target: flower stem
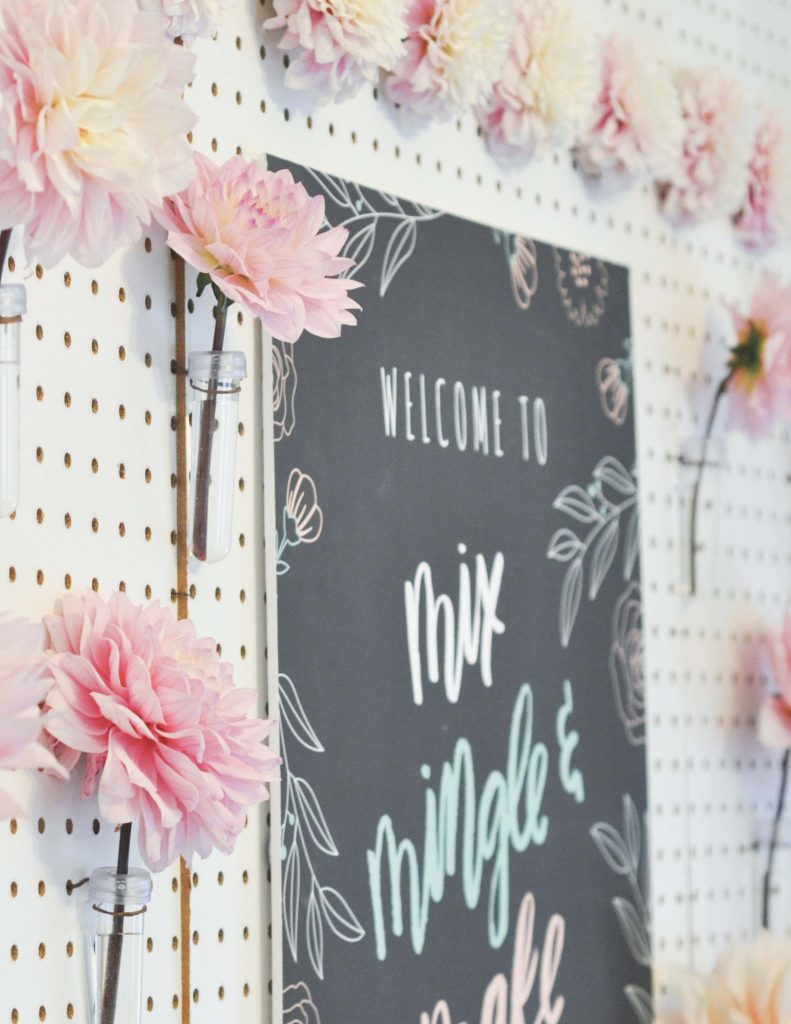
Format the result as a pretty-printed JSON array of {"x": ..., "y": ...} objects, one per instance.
[
  {"x": 693, "y": 523},
  {"x": 207, "y": 427},
  {"x": 116, "y": 941},
  {"x": 767, "y": 892},
  {"x": 5, "y": 238}
]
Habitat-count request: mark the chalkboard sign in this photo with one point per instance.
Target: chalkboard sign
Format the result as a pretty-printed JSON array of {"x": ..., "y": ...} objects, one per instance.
[{"x": 459, "y": 635}]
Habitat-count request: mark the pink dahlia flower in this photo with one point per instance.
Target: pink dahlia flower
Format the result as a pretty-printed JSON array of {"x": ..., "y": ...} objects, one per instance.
[
  {"x": 636, "y": 125},
  {"x": 22, "y": 688},
  {"x": 546, "y": 86},
  {"x": 759, "y": 386},
  {"x": 454, "y": 52},
  {"x": 774, "y": 720},
  {"x": 92, "y": 124},
  {"x": 188, "y": 20},
  {"x": 171, "y": 742},
  {"x": 258, "y": 235},
  {"x": 336, "y": 47},
  {"x": 709, "y": 177},
  {"x": 765, "y": 215}
]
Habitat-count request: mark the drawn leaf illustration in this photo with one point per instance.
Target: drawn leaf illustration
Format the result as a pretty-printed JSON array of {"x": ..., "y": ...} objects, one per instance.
[
  {"x": 314, "y": 927},
  {"x": 564, "y": 545},
  {"x": 570, "y": 600},
  {"x": 634, "y": 931},
  {"x": 399, "y": 249},
  {"x": 312, "y": 817},
  {"x": 610, "y": 471},
  {"x": 291, "y": 887},
  {"x": 282, "y": 567},
  {"x": 577, "y": 503},
  {"x": 631, "y": 548},
  {"x": 295, "y": 718},
  {"x": 335, "y": 188},
  {"x": 632, "y": 831},
  {"x": 340, "y": 916},
  {"x": 611, "y": 847},
  {"x": 360, "y": 245},
  {"x": 390, "y": 200},
  {"x": 603, "y": 556},
  {"x": 642, "y": 1003}
]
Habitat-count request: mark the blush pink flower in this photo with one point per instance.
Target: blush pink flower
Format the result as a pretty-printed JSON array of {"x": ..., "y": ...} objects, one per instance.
[
  {"x": 337, "y": 47},
  {"x": 22, "y": 688},
  {"x": 765, "y": 216},
  {"x": 172, "y": 744},
  {"x": 774, "y": 719},
  {"x": 258, "y": 235},
  {"x": 188, "y": 20},
  {"x": 709, "y": 177},
  {"x": 454, "y": 52},
  {"x": 636, "y": 126},
  {"x": 759, "y": 386},
  {"x": 92, "y": 124}
]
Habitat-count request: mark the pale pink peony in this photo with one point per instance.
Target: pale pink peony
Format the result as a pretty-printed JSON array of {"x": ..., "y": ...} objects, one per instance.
[
  {"x": 751, "y": 984},
  {"x": 188, "y": 20},
  {"x": 774, "y": 720},
  {"x": 765, "y": 216},
  {"x": 546, "y": 86},
  {"x": 636, "y": 126},
  {"x": 709, "y": 178},
  {"x": 257, "y": 234},
  {"x": 22, "y": 688},
  {"x": 759, "y": 387},
  {"x": 336, "y": 47},
  {"x": 92, "y": 124},
  {"x": 170, "y": 740},
  {"x": 454, "y": 52}
]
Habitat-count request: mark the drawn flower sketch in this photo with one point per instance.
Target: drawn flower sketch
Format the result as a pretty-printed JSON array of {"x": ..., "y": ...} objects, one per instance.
[
  {"x": 608, "y": 512},
  {"x": 584, "y": 285},
  {"x": 521, "y": 258},
  {"x": 303, "y": 519},
  {"x": 305, "y": 833},
  {"x": 614, "y": 384},
  {"x": 298, "y": 1005},
  {"x": 284, "y": 388},
  {"x": 367, "y": 215},
  {"x": 626, "y": 663},
  {"x": 624, "y": 854}
]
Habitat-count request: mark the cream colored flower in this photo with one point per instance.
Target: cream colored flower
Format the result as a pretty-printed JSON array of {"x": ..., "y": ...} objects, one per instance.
[{"x": 188, "y": 19}]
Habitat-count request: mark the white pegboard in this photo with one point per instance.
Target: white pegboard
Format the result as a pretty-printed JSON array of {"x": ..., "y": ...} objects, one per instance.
[{"x": 98, "y": 504}]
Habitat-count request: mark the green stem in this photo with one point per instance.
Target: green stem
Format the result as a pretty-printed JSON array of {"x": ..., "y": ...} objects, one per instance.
[
  {"x": 115, "y": 944},
  {"x": 767, "y": 889}
]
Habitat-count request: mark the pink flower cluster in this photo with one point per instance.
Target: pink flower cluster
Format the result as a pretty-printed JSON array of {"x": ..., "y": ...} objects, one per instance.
[
  {"x": 774, "y": 721},
  {"x": 765, "y": 216},
  {"x": 258, "y": 235},
  {"x": 92, "y": 124},
  {"x": 171, "y": 743}
]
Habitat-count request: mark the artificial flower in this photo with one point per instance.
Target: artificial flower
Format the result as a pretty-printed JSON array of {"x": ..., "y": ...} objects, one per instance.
[
  {"x": 774, "y": 719},
  {"x": 302, "y": 516},
  {"x": 546, "y": 85},
  {"x": 751, "y": 984},
  {"x": 336, "y": 47},
  {"x": 92, "y": 124},
  {"x": 172, "y": 744},
  {"x": 188, "y": 20},
  {"x": 759, "y": 381},
  {"x": 258, "y": 236},
  {"x": 709, "y": 178},
  {"x": 22, "y": 688},
  {"x": 636, "y": 125},
  {"x": 454, "y": 52},
  {"x": 765, "y": 214}
]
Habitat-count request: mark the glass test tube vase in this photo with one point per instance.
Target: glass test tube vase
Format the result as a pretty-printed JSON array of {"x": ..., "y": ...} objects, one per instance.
[{"x": 13, "y": 306}]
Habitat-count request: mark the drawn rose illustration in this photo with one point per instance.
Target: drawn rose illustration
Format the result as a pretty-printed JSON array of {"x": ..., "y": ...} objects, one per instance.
[
  {"x": 284, "y": 388},
  {"x": 584, "y": 285},
  {"x": 626, "y": 663},
  {"x": 524, "y": 271},
  {"x": 298, "y": 1005},
  {"x": 303, "y": 519},
  {"x": 614, "y": 383}
]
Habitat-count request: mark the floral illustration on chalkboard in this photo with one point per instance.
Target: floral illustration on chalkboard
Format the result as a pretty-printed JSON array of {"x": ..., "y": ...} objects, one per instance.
[
  {"x": 369, "y": 215},
  {"x": 305, "y": 833},
  {"x": 626, "y": 663},
  {"x": 521, "y": 258},
  {"x": 284, "y": 388},
  {"x": 584, "y": 285},
  {"x": 614, "y": 384},
  {"x": 623, "y": 854},
  {"x": 608, "y": 510},
  {"x": 303, "y": 519},
  {"x": 298, "y": 1005}
]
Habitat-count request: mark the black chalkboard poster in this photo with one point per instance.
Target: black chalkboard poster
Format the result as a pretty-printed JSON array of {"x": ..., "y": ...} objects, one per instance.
[{"x": 459, "y": 636}]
